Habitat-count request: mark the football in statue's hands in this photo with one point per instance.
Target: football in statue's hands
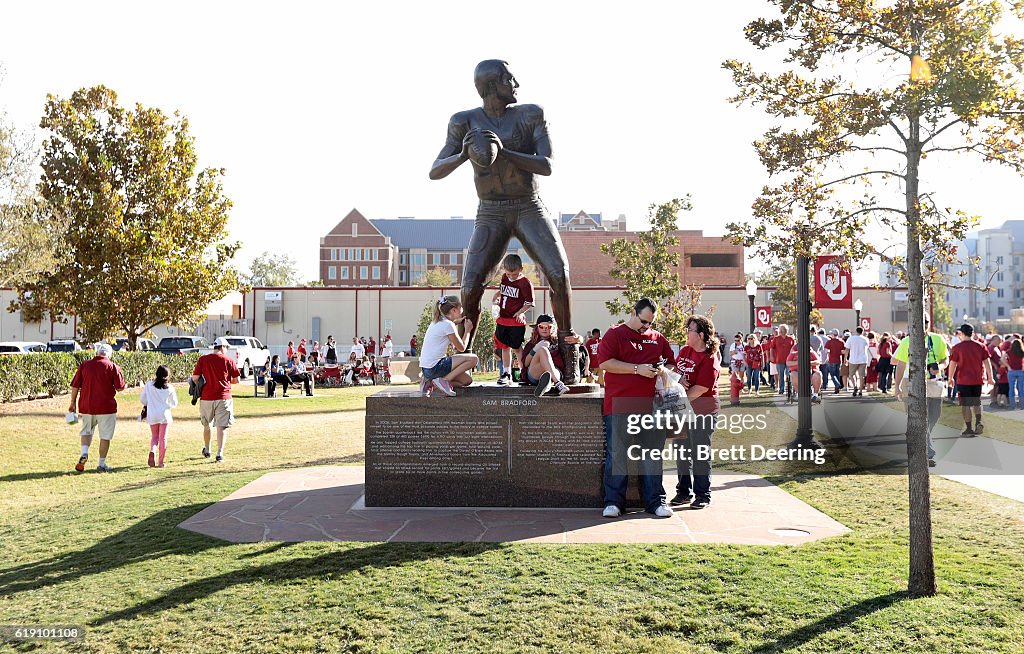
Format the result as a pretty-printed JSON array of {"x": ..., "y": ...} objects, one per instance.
[{"x": 483, "y": 151}]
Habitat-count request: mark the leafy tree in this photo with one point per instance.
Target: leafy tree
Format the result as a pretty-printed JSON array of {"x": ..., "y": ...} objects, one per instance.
[
  {"x": 436, "y": 277},
  {"x": 846, "y": 155},
  {"x": 269, "y": 269},
  {"x": 146, "y": 239},
  {"x": 530, "y": 271},
  {"x": 782, "y": 275},
  {"x": 649, "y": 268},
  {"x": 942, "y": 313},
  {"x": 27, "y": 239}
]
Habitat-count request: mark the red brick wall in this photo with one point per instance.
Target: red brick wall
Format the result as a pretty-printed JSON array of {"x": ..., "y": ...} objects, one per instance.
[{"x": 588, "y": 266}]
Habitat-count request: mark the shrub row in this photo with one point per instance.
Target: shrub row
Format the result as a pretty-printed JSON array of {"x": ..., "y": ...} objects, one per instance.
[{"x": 50, "y": 373}]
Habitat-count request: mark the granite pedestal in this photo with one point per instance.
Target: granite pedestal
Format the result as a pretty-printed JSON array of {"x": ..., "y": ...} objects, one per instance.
[{"x": 490, "y": 446}]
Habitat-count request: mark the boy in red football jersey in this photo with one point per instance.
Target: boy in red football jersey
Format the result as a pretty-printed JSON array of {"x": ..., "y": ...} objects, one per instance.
[{"x": 513, "y": 299}]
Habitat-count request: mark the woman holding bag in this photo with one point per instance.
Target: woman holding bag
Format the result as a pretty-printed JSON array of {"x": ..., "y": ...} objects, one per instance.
[{"x": 699, "y": 364}]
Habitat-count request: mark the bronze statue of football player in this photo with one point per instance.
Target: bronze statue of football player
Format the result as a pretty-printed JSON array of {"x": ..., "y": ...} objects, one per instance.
[{"x": 508, "y": 146}]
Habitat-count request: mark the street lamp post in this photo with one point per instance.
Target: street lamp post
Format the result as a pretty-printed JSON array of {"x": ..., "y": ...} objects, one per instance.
[
  {"x": 751, "y": 292},
  {"x": 804, "y": 429},
  {"x": 857, "y": 306}
]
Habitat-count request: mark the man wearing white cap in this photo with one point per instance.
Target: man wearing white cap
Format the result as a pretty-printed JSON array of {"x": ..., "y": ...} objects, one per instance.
[
  {"x": 216, "y": 408},
  {"x": 93, "y": 388}
]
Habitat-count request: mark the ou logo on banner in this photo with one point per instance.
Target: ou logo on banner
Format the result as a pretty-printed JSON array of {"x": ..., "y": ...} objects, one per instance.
[
  {"x": 865, "y": 324},
  {"x": 833, "y": 284},
  {"x": 833, "y": 281},
  {"x": 764, "y": 316}
]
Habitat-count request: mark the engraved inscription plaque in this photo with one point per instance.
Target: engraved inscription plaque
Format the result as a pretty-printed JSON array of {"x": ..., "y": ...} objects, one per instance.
[{"x": 490, "y": 447}]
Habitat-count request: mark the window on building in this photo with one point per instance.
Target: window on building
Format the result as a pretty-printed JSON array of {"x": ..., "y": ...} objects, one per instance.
[
  {"x": 372, "y": 254},
  {"x": 355, "y": 228},
  {"x": 363, "y": 272},
  {"x": 1000, "y": 312},
  {"x": 401, "y": 259},
  {"x": 999, "y": 292},
  {"x": 432, "y": 259},
  {"x": 999, "y": 259},
  {"x": 344, "y": 254},
  {"x": 999, "y": 277},
  {"x": 728, "y": 260},
  {"x": 376, "y": 272},
  {"x": 344, "y": 272},
  {"x": 455, "y": 275},
  {"x": 332, "y": 272},
  {"x": 416, "y": 276},
  {"x": 457, "y": 259},
  {"x": 401, "y": 276}
]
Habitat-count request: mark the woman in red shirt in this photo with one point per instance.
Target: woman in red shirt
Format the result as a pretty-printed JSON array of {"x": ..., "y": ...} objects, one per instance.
[
  {"x": 1015, "y": 374},
  {"x": 755, "y": 361},
  {"x": 885, "y": 368},
  {"x": 699, "y": 364}
]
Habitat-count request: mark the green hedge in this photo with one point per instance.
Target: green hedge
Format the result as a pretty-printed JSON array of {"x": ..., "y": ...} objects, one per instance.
[{"x": 50, "y": 373}]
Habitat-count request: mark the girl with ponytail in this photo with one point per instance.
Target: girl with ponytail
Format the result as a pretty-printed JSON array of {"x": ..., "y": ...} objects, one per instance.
[{"x": 440, "y": 370}]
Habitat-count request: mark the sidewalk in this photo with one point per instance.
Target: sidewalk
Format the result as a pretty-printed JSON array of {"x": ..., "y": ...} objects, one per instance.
[{"x": 873, "y": 432}]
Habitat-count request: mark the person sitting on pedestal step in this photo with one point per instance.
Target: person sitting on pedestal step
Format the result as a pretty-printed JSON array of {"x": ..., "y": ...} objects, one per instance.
[
  {"x": 439, "y": 370},
  {"x": 542, "y": 359}
]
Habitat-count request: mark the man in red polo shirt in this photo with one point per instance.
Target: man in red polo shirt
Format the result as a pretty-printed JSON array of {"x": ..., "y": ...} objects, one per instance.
[
  {"x": 96, "y": 382},
  {"x": 629, "y": 354},
  {"x": 216, "y": 408},
  {"x": 834, "y": 352},
  {"x": 970, "y": 365},
  {"x": 782, "y": 345}
]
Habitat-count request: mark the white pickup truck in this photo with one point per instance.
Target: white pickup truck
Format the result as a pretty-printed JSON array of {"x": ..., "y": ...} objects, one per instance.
[{"x": 247, "y": 352}]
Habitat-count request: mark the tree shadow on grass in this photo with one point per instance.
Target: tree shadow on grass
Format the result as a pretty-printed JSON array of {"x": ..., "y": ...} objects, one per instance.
[
  {"x": 838, "y": 620},
  {"x": 28, "y": 476},
  {"x": 145, "y": 540},
  {"x": 335, "y": 564},
  {"x": 190, "y": 473}
]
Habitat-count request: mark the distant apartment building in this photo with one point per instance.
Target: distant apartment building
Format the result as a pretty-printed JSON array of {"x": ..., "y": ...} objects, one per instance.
[
  {"x": 399, "y": 251},
  {"x": 1001, "y": 253}
]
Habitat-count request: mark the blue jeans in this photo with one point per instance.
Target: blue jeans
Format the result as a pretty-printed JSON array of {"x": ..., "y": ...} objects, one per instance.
[
  {"x": 695, "y": 471},
  {"x": 782, "y": 374},
  {"x": 1016, "y": 379},
  {"x": 616, "y": 464},
  {"x": 832, "y": 370},
  {"x": 439, "y": 369},
  {"x": 885, "y": 372},
  {"x": 754, "y": 379}
]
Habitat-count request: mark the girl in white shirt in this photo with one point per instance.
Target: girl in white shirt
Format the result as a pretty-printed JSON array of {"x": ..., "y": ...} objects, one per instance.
[
  {"x": 439, "y": 370},
  {"x": 158, "y": 398}
]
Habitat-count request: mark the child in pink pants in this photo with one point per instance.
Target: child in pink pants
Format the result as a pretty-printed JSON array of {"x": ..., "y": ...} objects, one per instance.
[{"x": 158, "y": 397}]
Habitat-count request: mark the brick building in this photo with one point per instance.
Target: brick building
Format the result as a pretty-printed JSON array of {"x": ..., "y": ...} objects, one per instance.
[{"x": 398, "y": 251}]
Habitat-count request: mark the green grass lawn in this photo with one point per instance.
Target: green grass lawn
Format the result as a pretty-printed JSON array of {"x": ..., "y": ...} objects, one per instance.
[{"x": 103, "y": 550}]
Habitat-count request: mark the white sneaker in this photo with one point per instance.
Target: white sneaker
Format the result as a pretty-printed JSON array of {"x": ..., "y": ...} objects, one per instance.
[
  {"x": 561, "y": 388},
  {"x": 611, "y": 511},
  {"x": 504, "y": 380},
  {"x": 663, "y": 512}
]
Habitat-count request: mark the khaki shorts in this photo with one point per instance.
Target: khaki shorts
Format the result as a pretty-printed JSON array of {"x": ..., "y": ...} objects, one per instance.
[
  {"x": 105, "y": 423},
  {"x": 217, "y": 413}
]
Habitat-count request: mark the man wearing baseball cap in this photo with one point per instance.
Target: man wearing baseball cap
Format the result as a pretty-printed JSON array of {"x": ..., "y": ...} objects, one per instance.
[
  {"x": 92, "y": 392},
  {"x": 216, "y": 408}
]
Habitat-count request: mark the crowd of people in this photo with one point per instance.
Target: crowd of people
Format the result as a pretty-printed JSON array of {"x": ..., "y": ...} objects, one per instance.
[{"x": 856, "y": 361}]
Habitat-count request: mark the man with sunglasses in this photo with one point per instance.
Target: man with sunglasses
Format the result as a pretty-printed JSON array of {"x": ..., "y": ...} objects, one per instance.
[{"x": 630, "y": 354}]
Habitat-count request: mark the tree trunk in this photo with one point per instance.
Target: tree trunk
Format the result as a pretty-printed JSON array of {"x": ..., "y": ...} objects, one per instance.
[{"x": 922, "y": 558}]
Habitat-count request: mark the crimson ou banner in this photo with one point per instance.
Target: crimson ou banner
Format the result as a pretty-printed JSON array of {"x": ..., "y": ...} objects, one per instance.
[
  {"x": 763, "y": 316},
  {"x": 833, "y": 285}
]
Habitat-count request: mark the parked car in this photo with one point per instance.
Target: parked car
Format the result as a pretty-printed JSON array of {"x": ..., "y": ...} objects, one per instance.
[
  {"x": 246, "y": 351},
  {"x": 64, "y": 345},
  {"x": 141, "y": 345},
  {"x": 181, "y": 344},
  {"x": 21, "y": 347}
]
